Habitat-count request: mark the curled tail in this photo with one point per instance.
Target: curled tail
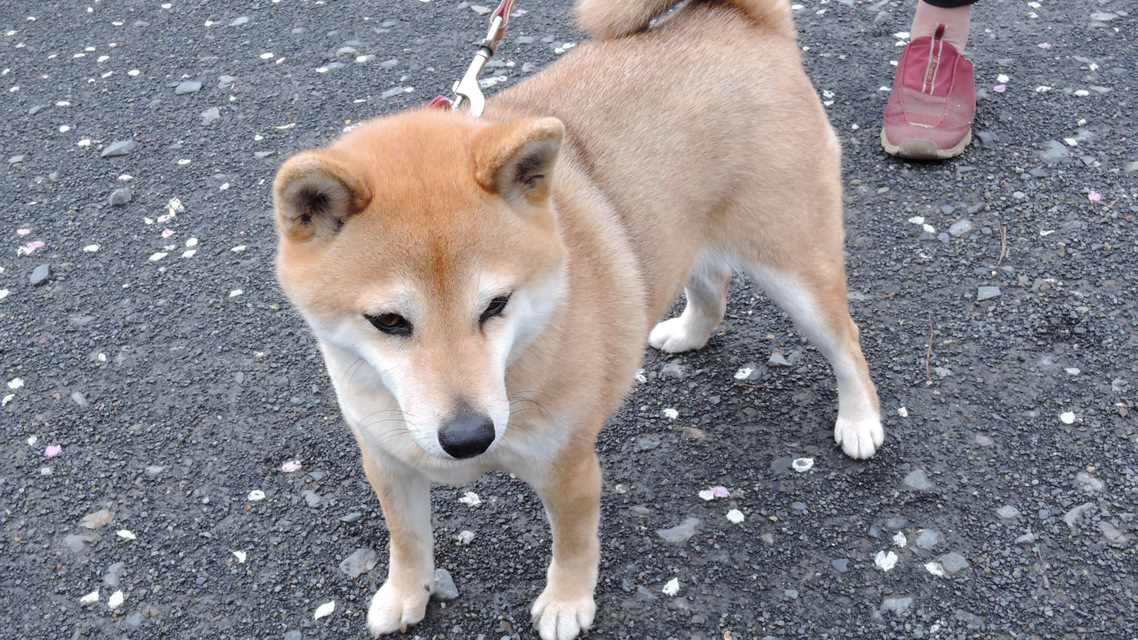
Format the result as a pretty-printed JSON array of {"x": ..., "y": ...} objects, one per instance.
[{"x": 608, "y": 19}]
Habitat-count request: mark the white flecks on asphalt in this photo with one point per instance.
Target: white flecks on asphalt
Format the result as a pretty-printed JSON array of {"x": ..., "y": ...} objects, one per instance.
[
  {"x": 324, "y": 610},
  {"x": 8, "y": 398},
  {"x": 235, "y": 293},
  {"x": 3, "y": 293},
  {"x": 903, "y": 412},
  {"x": 672, "y": 587},
  {"x": 91, "y": 248},
  {"x": 885, "y": 560},
  {"x": 935, "y": 568},
  {"x": 238, "y": 249},
  {"x": 735, "y": 516},
  {"x": 802, "y": 465},
  {"x": 52, "y": 450},
  {"x": 155, "y": 257},
  {"x": 671, "y": 414},
  {"x": 90, "y": 598},
  {"x": 470, "y": 498},
  {"x": 115, "y": 601},
  {"x": 292, "y": 465},
  {"x": 256, "y": 495},
  {"x": 900, "y": 540},
  {"x": 1067, "y": 417},
  {"x": 706, "y": 494},
  {"x": 189, "y": 253},
  {"x": 744, "y": 373},
  {"x": 465, "y": 537},
  {"x": 240, "y": 555},
  {"x": 125, "y": 534}
]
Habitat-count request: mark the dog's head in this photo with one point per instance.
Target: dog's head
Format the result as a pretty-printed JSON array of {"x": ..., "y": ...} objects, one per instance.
[{"x": 424, "y": 250}]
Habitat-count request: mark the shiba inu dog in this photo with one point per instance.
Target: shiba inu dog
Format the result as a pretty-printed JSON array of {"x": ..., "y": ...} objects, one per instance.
[{"x": 482, "y": 288}]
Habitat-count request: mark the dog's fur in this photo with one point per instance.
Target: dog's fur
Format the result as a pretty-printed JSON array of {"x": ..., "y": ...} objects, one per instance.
[{"x": 644, "y": 159}]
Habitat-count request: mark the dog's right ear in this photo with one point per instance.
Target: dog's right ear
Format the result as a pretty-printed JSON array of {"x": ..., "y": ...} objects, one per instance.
[{"x": 314, "y": 195}]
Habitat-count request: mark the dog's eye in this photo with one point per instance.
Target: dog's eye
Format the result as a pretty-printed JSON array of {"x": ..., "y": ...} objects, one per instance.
[
  {"x": 391, "y": 324},
  {"x": 497, "y": 305}
]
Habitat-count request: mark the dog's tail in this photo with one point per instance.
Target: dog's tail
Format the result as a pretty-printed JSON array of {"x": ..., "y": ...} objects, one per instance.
[{"x": 609, "y": 19}]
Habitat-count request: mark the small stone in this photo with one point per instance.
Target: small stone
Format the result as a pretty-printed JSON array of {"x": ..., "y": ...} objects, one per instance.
[
  {"x": 1067, "y": 417},
  {"x": 40, "y": 275},
  {"x": 260, "y": 155},
  {"x": 680, "y": 533},
  {"x": 899, "y": 606},
  {"x": 841, "y": 566},
  {"x": 16, "y": 159},
  {"x": 1075, "y": 516},
  {"x": 918, "y": 480},
  {"x": 100, "y": 518},
  {"x": 79, "y": 399},
  {"x": 1027, "y": 538},
  {"x": 960, "y": 228},
  {"x": 987, "y": 293},
  {"x": 525, "y": 40},
  {"x": 311, "y": 497},
  {"x": 1131, "y": 167},
  {"x": 1089, "y": 483},
  {"x": 442, "y": 587},
  {"x": 120, "y": 197},
  {"x": 237, "y": 22},
  {"x": 1055, "y": 150},
  {"x": 646, "y": 444},
  {"x": 293, "y": 635},
  {"x": 927, "y": 539},
  {"x": 986, "y": 137},
  {"x": 1113, "y": 535},
  {"x": 211, "y": 114},
  {"x": 479, "y": 9},
  {"x": 119, "y": 148},
  {"x": 134, "y": 620},
  {"x": 1103, "y": 16},
  {"x": 80, "y": 542},
  {"x": 154, "y": 470},
  {"x": 360, "y": 562},
  {"x": 984, "y": 441},
  {"x": 224, "y": 81},
  {"x": 352, "y": 517},
  {"x": 778, "y": 360},
  {"x": 1008, "y": 512},
  {"x": 673, "y": 370},
  {"x": 188, "y": 86},
  {"x": 953, "y": 562},
  {"x": 113, "y": 575}
]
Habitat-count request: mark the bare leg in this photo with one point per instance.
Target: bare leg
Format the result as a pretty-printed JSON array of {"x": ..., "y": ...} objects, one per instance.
[
  {"x": 406, "y": 500},
  {"x": 706, "y": 293}
]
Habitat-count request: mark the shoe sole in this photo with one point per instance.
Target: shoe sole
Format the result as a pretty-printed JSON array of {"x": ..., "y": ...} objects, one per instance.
[{"x": 918, "y": 149}]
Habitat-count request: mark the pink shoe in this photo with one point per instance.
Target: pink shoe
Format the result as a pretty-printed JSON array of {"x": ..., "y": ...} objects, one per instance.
[{"x": 929, "y": 114}]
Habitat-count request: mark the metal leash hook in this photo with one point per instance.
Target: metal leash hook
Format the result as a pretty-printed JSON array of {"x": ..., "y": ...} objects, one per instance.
[{"x": 467, "y": 91}]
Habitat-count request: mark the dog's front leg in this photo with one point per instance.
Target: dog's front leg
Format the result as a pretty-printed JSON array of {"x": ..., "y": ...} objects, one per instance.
[
  {"x": 571, "y": 494},
  {"x": 405, "y": 497}
]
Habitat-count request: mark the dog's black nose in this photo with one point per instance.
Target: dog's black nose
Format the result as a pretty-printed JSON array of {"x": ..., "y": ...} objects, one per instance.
[{"x": 467, "y": 435}]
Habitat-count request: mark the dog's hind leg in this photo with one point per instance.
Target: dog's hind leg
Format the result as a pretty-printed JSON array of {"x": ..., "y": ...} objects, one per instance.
[
  {"x": 706, "y": 293},
  {"x": 571, "y": 493},
  {"x": 406, "y": 500},
  {"x": 813, "y": 294}
]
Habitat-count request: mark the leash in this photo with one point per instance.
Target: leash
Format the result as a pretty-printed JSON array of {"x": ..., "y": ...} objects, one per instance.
[{"x": 467, "y": 91}]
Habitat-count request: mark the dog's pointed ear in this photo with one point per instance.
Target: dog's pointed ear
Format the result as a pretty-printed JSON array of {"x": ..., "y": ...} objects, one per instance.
[
  {"x": 515, "y": 159},
  {"x": 314, "y": 194}
]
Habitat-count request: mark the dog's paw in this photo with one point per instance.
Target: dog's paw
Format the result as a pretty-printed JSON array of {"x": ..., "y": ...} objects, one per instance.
[
  {"x": 675, "y": 336},
  {"x": 393, "y": 610},
  {"x": 557, "y": 619},
  {"x": 859, "y": 438}
]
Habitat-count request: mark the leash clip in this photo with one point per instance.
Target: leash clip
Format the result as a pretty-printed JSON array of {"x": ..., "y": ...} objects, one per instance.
[{"x": 467, "y": 92}]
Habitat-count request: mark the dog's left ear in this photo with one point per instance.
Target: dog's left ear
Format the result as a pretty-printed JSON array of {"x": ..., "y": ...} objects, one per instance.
[{"x": 515, "y": 159}]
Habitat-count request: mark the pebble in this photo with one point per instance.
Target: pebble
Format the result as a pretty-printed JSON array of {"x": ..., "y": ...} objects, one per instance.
[
  {"x": 119, "y": 148},
  {"x": 841, "y": 566},
  {"x": 442, "y": 587},
  {"x": 1055, "y": 150},
  {"x": 293, "y": 635},
  {"x": 646, "y": 444},
  {"x": 352, "y": 517},
  {"x": 673, "y": 370},
  {"x": 79, "y": 399},
  {"x": 211, "y": 115},
  {"x": 188, "y": 86},
  {"x": 16, "y": 159},
  {"x": 1089, "y": 483},
  {"x": 953, "y": 562},
  {"x": 1113, "y": 536},
  {"x": 80, "y": 542},
  {"x": 885, "y": 560},
  {"x": 778, "y": 360},
  {"x": 1008, "y": 512},
  {"x": 311, "y": 497},
  {"x": 154, "y": 469},
  {"x": 134, "y": 620},
  {"x": 1102, "y": 16},
  {"x": 1075, "y": 516},
  {"x": 927, "y": 539},
  {"x": 960, "y": 228},
  {"x": 987, "y": 293},
  {"x": 899, "y": 606},
  {"x": 237, "y": 22},
  {"x": 983, "y": 440},
  {"x": 113, "y": 575},
  {"x": 1027, "y": 538},
  {"x": 40, "y": 275},
  {"x": 479, "y": 9},
  {"x": 100, "y": 518},
  {"x": 360, "y": 562},
  {"x": 120, "y": 197},
  {"x": 918, "y": 480},
  {"x": 680, "y": 533}
]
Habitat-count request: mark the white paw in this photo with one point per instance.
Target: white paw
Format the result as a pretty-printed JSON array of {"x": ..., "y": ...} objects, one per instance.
[
  {"x": 562, "y": 619},
  {"x": 673, "y": 336},
  {"x": 859, "y": 438},
  {"x": 392, "y": 610}
]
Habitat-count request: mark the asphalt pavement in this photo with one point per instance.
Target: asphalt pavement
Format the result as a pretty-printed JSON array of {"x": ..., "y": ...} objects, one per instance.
[{"x": 173, "y": 465}]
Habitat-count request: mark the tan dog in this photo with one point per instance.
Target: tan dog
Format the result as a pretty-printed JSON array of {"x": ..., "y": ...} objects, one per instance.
[{"x": 482, "y": 289}]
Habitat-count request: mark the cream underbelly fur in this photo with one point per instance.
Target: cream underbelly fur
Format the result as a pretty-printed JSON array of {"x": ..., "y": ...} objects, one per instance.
[{"x": 482, "y": 288}]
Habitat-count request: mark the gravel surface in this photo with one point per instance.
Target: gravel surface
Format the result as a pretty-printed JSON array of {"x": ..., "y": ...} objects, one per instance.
[{"x": 173, "y": 464}]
